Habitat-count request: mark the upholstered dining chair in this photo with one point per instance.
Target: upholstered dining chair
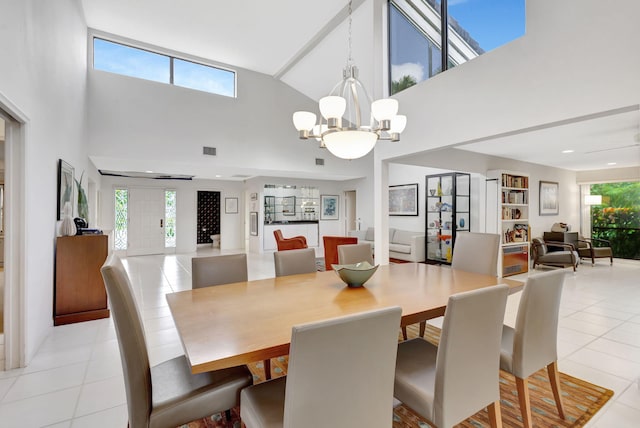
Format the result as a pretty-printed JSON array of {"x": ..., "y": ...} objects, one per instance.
[
  {"x": 217, "y": 270},
  {"x": 293, "y": 243},
  {"x": 454, "y": 380},
  {"x": 293, "y": 262},
  {"x": 339, "y": 369},
  {"x": 476, "y": 252},
  {"x": 355, "y": 253},
  {"x": 330, "y": 244},
  {"x": 532, "y": 344},
  {"x": 473, "y": 252},
  {"x": 166, "y": 395}
]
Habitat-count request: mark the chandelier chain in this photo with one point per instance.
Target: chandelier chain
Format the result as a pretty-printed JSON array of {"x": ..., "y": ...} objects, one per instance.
[{"x": 349, "y": 59}]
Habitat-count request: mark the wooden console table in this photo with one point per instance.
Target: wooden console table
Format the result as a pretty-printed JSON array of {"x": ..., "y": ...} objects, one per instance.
[{"x": 79, "y": 292}]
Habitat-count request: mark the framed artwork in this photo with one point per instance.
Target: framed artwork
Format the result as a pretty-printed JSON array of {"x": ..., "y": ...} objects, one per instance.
[
  {"x": 548, "y": 198},
  {"x": 253, "y": 223},
  {"x": 403, "y": 199},
  {"x": 289, "y": 205},
  {"x": 254, "y": 196},
  {"x": 231, "y": 205},
  {"x": 66, "y": 187},
  {"x": 329, "y": 207}
]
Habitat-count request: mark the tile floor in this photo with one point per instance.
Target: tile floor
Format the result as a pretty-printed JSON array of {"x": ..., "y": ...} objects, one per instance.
[{"x": 75, "y": 379}]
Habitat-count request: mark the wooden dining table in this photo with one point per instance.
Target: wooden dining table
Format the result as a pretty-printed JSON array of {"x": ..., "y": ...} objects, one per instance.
[{"x": 234, "y": 324}]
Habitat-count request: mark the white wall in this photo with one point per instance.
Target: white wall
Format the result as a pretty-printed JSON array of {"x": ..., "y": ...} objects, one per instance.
[
  {"x": 569, "y": 198},
  {"x": 557, "y": 70},
  {"x": 408, "y": 174},
  {"x": 609, "y": 175},
  {"x": 43, "y": 73},
  {"x": 231, "y": 225},
  {"x": 132, "y": 120}
]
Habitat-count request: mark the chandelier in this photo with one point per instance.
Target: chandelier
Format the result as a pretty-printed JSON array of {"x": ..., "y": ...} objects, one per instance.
[{"x": 340, "y": 127}]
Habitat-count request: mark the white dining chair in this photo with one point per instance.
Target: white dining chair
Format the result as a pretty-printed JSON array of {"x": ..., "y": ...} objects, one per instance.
[
  {"x": 532, "y": 344},
  {"x": 165, "y": 395},
  {"x": 355, "y": 253},
  {"x": 476, "y": 252},
  {"x": 340, "y": 374},
  {"x": 217, "y": 270},
  {"x": 293, "y": 262},
  {"x": 452, "y": 381},
  {"x": 473, "y": 252}
]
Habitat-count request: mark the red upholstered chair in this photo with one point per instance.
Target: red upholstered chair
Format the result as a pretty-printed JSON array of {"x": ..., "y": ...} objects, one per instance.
[
  {"x": 331, "y": 248},
  {"x": 295, "y": 243}
]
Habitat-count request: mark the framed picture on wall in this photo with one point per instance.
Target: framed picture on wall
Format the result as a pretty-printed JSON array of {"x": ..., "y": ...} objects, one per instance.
[
  {"x": 403, "y": 199},
  {"x": 253, "y": 223},
  {"x": 329, "y": 207},
  {"x": 548, "y": 198},
  {"x": 66, "y": 187},
  {"x": 231, "y": 205}
]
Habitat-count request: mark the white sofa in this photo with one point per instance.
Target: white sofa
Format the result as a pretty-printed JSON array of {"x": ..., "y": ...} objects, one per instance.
[{"x": 403, "y": 244}]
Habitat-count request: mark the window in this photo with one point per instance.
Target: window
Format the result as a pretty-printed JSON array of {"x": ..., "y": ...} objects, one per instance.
[
  {"x": 474, "y": 27},
  {"x": 143, "y": 64},
  {"x": 121, "y": 218},
  {"x": 170, "y": 218}
]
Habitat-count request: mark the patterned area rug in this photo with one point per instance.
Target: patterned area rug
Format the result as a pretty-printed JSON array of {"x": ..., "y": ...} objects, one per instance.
[
  {"x": 581, "y": 399},
  {"x": 320, "y": 264}
]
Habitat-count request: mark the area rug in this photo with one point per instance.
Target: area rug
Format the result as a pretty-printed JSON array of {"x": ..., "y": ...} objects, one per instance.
[
  {"x": 581, "y": 399},
  {"x": 320, "y": 264}
]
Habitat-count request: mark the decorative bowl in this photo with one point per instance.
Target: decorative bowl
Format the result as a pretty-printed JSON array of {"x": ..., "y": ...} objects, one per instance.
[{"x": 355, "y": 275}]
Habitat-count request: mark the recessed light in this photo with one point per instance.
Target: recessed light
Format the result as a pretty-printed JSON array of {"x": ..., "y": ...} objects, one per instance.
[
  {"x": 218, "y": 176},
  {"x": 567, "y": 151},
  {"x": 149, "y": 172},
  {"x": 611, "y": 163}
]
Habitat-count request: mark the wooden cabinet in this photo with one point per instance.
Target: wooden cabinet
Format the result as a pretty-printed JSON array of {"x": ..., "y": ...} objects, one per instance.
[{"x": 79, "y": 293}]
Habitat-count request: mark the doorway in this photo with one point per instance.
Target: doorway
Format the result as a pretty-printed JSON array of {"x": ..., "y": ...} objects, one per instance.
[
  {"x": 14, "y": 123},
  {"x": 208, "y": 221},
  {"x": 351, "y": 222},
  {"x": 146, "y": 221}
]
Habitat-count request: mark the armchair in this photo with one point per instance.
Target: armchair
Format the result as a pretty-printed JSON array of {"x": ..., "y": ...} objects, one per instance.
[
  {"x": 294, "y": 243},
  {"x": 567, "y": 256},
  {"x": 602, "y": 248}
]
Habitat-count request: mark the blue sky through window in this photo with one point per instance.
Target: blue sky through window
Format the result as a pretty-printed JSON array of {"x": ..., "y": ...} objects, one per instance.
[
  {"x": 130, "y": 61},
  {"x": 484, "y": 24},
  {"x": 203, "y": 78},
  {"x": 120, "y": 59}
]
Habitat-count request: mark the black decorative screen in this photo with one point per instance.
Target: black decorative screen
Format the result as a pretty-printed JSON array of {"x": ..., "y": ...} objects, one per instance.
[{"x": 208, "y": 216}]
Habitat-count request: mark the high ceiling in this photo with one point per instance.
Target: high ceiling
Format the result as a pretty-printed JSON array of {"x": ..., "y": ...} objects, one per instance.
[{"x": 304, "y": 44}]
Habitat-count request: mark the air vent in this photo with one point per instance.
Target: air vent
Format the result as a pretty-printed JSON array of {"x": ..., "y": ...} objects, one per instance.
[
  {"x": 319, "y": 161},
  {"x": 209, "y": 151}
]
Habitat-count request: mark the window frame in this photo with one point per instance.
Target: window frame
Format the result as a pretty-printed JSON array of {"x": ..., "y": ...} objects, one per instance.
[{"x": 94, "y": 34}]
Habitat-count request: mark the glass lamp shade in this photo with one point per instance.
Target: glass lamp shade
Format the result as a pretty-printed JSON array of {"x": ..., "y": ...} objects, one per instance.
[
  {"x": 350, "y": 144},
  {"x": 304, "y": 120},
  {"x": 384, "y": 109},
  {"x": 332, "y": 106},
  {"x": 398, "y": 123}
]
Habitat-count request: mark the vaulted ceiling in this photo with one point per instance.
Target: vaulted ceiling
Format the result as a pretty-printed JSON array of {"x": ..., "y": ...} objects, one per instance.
[{"x": 305, "y": 44}]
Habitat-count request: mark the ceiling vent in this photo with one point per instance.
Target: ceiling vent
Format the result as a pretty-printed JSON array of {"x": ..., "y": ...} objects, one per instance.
[
  {"x": 209, "y": 151},
  {"x": 320, "y": 161}
]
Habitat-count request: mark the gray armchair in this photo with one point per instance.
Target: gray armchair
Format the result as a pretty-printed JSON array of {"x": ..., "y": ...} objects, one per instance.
[
  {"x": 594, "y": 248},
  {"x": 567, "y": 256}
]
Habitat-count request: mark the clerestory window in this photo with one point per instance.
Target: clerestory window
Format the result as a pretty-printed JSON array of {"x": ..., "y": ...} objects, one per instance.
[{"x": 144, "y": 64}]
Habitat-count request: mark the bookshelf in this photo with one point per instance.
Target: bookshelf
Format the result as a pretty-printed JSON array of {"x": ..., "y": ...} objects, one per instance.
[{"x": 508, "y": 215}]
